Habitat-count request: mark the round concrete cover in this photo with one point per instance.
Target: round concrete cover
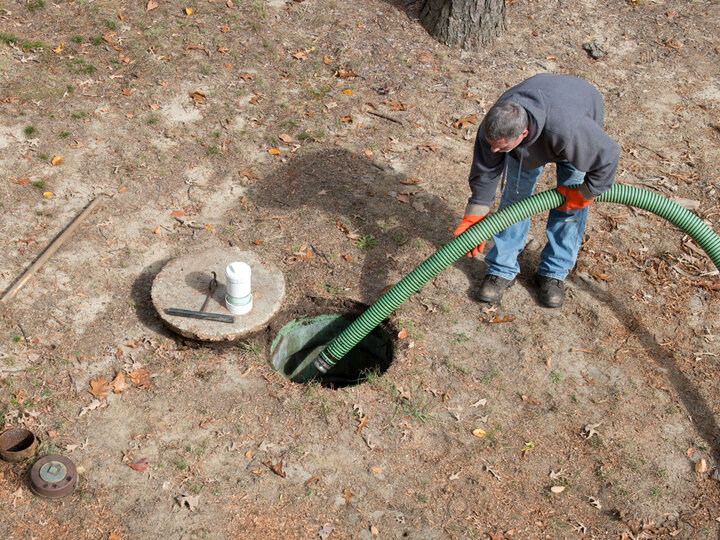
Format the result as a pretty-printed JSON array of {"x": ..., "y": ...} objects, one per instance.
[{"x": 184, "y": 283}]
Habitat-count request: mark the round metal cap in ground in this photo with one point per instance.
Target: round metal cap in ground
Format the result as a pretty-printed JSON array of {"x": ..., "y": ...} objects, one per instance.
[
  {"x": 17, "y": 444},
  {"x": 184, "y": 284},
  {"x": 53, "y": 476}
]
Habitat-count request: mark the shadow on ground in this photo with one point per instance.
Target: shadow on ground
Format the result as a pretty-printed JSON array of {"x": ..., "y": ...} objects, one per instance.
[
  {"x": 700, "y": 413},
  {"x": 335, "y": 189}
]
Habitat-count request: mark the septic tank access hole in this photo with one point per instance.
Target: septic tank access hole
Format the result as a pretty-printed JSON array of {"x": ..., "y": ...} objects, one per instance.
[{"x": 300, "y": 341}]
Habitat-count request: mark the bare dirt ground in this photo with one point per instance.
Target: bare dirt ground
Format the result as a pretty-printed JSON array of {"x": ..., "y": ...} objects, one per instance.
[{"x": 322, "y": 136}]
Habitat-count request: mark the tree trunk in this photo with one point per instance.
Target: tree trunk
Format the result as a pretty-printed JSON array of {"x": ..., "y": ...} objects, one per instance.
[{"x": 468, "y": 24}]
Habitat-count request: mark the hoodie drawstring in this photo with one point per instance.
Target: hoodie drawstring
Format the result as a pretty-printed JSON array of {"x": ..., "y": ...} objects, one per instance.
[{"x": 503, "y": 178}]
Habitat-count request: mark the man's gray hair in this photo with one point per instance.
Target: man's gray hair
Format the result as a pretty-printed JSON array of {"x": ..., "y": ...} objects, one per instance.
[{"x": 505, "y": 120}]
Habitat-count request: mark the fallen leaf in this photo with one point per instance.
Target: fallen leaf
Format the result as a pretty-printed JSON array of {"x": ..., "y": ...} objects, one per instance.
[
  {"x": 274, "y": 152},
  {"x": 225, "y": 28},
  {"x": 557, "y": 489},
  {"x": 52, "y": 434},
  {"x": 312, "y": 480},
  {"x": 395, "y": 105},
  {"x": 198, "y": 97},
  {"x": 141, "y": 465},
  {"x": 284, "y": 137},
  {"x": 326, "y": 60},
  {"x": 114, "y": 536},
  {"x": 119, "y": 383},
  {"x": 189, "y": 501},
  {"x": 374, "y": 530},
  {"x": 347, "y": 119},
  {"x": 300, "y": 55},
  {"x": 140, "y": 378},
  {"x": 222, "y": 49},
  {"x": 177, "y": 213},
  {"x": 152, "y": 4},
  {"x": 20, "y": 181},
  {"x": 460, "y": 123},
  {"x": 94, "y": 404},
  {"x": 345, "y": 73},
  {"x": 362, "y": 422},
  {"x": 122, "y": 190},
  {"x": 100, "y": 388},
  {"x": 368, "y": 153},
  {"x": 229, "y": 3},
  {"x": 59, "y": 48},
  {"x": 402, "y": 334},
  {"x": 325, "y": 531},
  {"x": 376, "y": 470},
  {"x": 348, "y": 494},
  {"x": 425, "y": 57},
  {"x": 188, "y": 11},
  {"x": 410, "y": 181},
  {"x": 480, "y": 433},
  {"x": 276, "y": 468},
  {"x": 47, "y": 194},
  {"x": 157, "y": 230},
  {"x": 348, "y": 92},
  {"x": 701, "y": 466},
  {"x": 57, "y": 160}
]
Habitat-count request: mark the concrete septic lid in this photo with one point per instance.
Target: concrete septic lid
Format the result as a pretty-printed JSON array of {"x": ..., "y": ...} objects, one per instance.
[{"x": 183, "y": 283}]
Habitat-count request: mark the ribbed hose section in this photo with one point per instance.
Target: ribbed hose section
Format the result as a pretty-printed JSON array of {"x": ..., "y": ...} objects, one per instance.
[{"x": 478, "y": 233}]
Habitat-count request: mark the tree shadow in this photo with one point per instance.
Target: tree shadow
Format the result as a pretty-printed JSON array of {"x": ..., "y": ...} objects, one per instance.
[
  {"x": 341, "y": 189},
  {"x": 701, "y": 414}
]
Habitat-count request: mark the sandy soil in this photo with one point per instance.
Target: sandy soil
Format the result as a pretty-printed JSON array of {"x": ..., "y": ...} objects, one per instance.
[{"x": 319, "y": 135}]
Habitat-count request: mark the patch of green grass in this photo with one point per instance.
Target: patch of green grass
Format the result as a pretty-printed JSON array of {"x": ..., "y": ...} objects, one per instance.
[
  {"x": 181, "y": 463},
  {"x": 212, "y": 151},
  {"x": 78, "y": 115},
  {"x": 80, "y": 66},
  {"x": 29, "y": 130},
  {"x": 556, "y": 377},
  {"x": 10, "y": 39},
  {"x": 110, "y": 25},
  {"x": 366, "y": 243},
  {"x": 40, "y": 184},
  {"x": 460, "y": 338},
  {"x": 64, "y": 134},
  {"x": 42, "y": 157},
  {"x": 35, "y": 4},
  {"x": 97, "y": 40},
  {"x": 335, "y": 289},
  {"x": 77, "y": 39},
  {"x": 154, "y": 119}
]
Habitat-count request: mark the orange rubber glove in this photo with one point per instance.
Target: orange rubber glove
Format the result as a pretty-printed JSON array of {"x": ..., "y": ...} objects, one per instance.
[
  {"x": 573, "y": 199},
  {"x": 465, "y": 224}
]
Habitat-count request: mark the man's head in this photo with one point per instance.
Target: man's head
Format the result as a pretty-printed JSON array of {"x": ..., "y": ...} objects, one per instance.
[{"x": 506, "y": 125}]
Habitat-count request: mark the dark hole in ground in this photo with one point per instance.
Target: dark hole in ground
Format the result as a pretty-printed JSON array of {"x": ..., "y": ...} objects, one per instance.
[{"x": 300, "y": 334}]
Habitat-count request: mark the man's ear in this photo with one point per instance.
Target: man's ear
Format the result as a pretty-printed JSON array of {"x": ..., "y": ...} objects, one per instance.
[{"x": 525, "y": 133}]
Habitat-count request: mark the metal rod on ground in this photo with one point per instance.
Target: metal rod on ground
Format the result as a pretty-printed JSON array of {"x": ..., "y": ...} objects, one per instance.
[{"x": 10, "y": 293}]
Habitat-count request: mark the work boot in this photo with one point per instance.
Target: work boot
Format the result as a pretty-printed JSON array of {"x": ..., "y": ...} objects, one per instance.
[
  {"x": 552, "y": 291},
  {"x": 493, "y": 287}
]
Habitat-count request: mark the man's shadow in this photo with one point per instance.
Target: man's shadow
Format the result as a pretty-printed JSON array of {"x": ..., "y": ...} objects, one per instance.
[{"x": 385, "y": 209}]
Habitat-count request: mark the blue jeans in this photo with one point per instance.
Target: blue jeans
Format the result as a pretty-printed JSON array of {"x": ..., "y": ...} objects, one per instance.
[{"x": 564, "y": 229}]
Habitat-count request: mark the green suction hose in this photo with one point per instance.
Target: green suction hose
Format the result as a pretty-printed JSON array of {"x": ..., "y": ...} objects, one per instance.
[{"x": 478, "y": 233}]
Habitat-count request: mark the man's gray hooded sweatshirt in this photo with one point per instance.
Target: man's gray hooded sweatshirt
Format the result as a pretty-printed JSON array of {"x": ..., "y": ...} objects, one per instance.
[{"x": 565, "y": 116}]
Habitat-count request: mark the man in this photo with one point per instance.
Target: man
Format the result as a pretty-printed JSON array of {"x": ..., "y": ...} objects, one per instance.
[{"x": 546, "y": 119}]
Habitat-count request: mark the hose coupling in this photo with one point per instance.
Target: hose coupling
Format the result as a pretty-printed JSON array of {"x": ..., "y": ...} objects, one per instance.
[{"x": 324, "y": 362}]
